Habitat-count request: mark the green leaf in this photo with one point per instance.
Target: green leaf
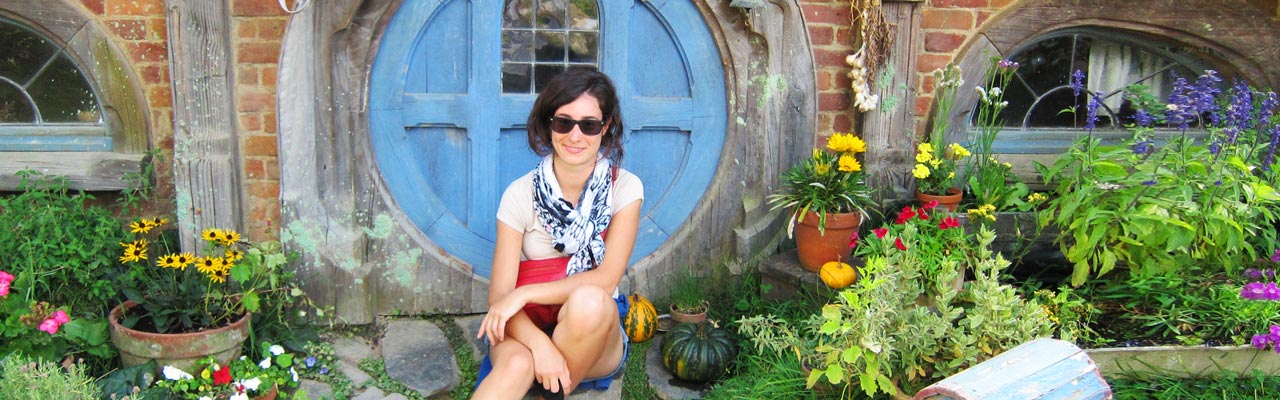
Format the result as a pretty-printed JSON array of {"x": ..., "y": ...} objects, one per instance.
[
  {"x": 250, "y": 301},
  {"x": 284, "y": 360},
  {"x": 835, "y": 374},
  {"x": 240, "y": 272}
]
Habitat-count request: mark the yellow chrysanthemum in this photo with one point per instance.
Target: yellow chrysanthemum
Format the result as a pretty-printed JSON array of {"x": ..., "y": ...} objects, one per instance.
[
  {"x": 857, "y": 145},
  {"x": 959, "y": 151},
  {"x": 840, "y": 142},
  {"x": 209, "y": 265},
  {"x": 924, "y": 148},
  {"x": 822, "y": 169},
  {"x": 920, "y": 171},
  {"x": 229, "y": 237},
  {"x": 849, "y": 163},
  {"x": 922, "y": 157},
  {"x": 951, "y": 175},
  {"x": 169, "y": 261},
  {"x": 233, "y": 255},
  {"x": 212, "y": 235},
  {"x": 935, "y": 163}
]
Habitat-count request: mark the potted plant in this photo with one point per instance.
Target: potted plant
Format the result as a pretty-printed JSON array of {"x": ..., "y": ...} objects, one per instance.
[
  {"x": 928, "y": 236},
  {"x": 936, "y": 160},
  {"x": 828, "y": 197},
  {"x": 182, "y": 307},
  {"x": 239, "y": 379},
  {"x": 688, "y": 298}
]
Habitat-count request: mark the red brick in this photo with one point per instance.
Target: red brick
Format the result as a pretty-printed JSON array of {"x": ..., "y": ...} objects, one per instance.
[
  {"x": 926, "y": 63},
  {"x": 260, "y": 146},
  {"x": 844, "y": 36},
  {"x": 94, "y": 6},
  {"x": 939, "y": 42},
  {"x": 842, "y": 123},
  {"x": 160, "y": 96},
  {"x": 821, "y": 35},
  {"x": 253, "y": 169},
  {"x": 158, "y": 29},
  {"x": 246, "y": 29},
  {"x": 824, "y": 80},
  {"x": 835, "y": 13},
  {"x": 946, "y": 19},
  {"x": 269, "y": 122},
  {"x": 830, "y": 58},
  {"x": 923, "y": 103},
  {"x": 926, "y": 83},
  {"x": 154, "y": 73},
  {"x": 251, "y": 122},
  {"x": 247, "y": 76},
  {"x": 271, "y": 28},
  {"x": 255, "y": 102},
  {"x": 272, "y": 168},
  {"x": 264, "y": 190},
  {"x": 824, "y": 128},
  {"x": 267, "y": 77},
  {"x": 128, "y": 29},
  {"x": 842, "y": 80},
  {"x": 135, "y": 7},
  {"x": 257, "y": 8},
  {"x": 983, "y": 16},
  {"x": 147, "y": 51},
  {"x": 259, "y": 53},
  {"x": 960, "y": 3},
  {"x": 1002, "y": 3},
  {"x": 834, "y": 101}
]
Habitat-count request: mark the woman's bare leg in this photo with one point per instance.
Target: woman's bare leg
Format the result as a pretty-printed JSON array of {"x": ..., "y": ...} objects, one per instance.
[
  {"x": 512, "y": 373},
  {"x": 587, "y": 334}
]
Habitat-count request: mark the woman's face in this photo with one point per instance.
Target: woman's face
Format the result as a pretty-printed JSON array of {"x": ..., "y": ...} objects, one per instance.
[{"x": 575, "y": 148}]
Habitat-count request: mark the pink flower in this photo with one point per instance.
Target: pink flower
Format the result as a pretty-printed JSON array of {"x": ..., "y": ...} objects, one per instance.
[
  {"x": 931, "y": 204},
  {"x": 4, "y": 289},
  {"x": 880, "y": 232},
  {"x": 5, "y": 277},
  {"x": 49, "y": 325},
  {"x": 61, "y": 317},
  {"x": 853, "y": 240},
  {"x": 898, "y": 243},
  {"x": 906, "y": 215},
  {"x": 949, "y": 222}
]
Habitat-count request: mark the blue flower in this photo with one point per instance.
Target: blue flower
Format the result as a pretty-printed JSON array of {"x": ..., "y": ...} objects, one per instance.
[
  {"x": 1077, "y": 82},
  {"x": 1143, "y": 147},
  {"x": 310, "y": 361},
  {"x": 1143, "y": 118},
  {"x": 324, "y": 370},
  {"x": 1275, "y": 257},
  {"x": 1091, "y": 119},
  {"x": 1151, "y": 182}
]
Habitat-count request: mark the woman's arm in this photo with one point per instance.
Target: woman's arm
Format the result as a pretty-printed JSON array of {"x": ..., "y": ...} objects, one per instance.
[
  {"x": 618, "y": 245},
  {"x": 506, "y": 266}
]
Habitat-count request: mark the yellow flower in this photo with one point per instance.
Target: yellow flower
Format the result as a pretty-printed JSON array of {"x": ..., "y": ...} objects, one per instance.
[
  {"x": 209, "y": 265},
  {"x": 133, "y": 252},
  {"x": 184, "y": 259},
  {"x": 920, "y": 171},
  {"x": 233, "y": 255},
  {"x": 951, "y": 175},
  {"x": 817, "y": 153},
  {"x": 822, "y": 169},
  {"x": 1008, "y": 165},
  {"x": 169, "y": 261},
  {"x": 140, "y": 226},
  {"x": 1036, "y": 197},
  {"x": 935, "y": 163},
  {"x": 849, "y": 164},
  {"x": 923, "y": 157},
  {"x": 857, "y": 145},
  {"x": 217, "y": 278},
  {"x": 212, "y": 235},
  {"x": 959, "y": 151},
  {"x": 924, "y": 148},
  {"x": 230, "y": 237},
  {"x": 842, "y": 142}
]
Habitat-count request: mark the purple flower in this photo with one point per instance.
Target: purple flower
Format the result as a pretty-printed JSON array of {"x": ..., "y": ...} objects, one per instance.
[
  {"x": 1077, "y": 82},
  {"x": 1253, "y": 273},
  {"x": 1270, "y": 156},
  {"x": 324, "y": 370},
  {"x": 1181, "y": 107},
  {"x": 1143, "y": 148},
  {"x": 1260, "y": 341},
  {"x": 1275, "y": 257},
  {"x": 310, "y": 361},
  {"x": 1143, "y": 118},
  {"x": 1092, "y": 118},
  {"x": 1270, "y": 292},
  {"x": 1010, "y": 64},
  {"x": 1252, "y": 291},
  {"x": 1150, "y": 182}
]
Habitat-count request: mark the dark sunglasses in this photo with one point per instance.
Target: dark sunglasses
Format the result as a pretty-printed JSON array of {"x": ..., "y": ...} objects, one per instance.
[{"x": 589, "y": 127}]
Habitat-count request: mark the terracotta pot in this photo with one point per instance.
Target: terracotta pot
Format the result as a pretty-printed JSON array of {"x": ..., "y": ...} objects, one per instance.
[
  {"x": 819, "y": 248},
  {"x": 951, "y": 200},
  {"x": 181, "y": 350},
  {"x": 685, "y": 318},
  {"x": 270, "y": 395}
]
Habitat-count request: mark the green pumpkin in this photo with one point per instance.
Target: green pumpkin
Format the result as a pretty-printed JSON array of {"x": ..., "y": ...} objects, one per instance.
[{"x": 698, "y": 352}]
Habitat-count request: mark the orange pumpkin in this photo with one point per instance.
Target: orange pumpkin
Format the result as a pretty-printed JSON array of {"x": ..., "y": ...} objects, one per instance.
[
  {"x": 641, "y": 320},
  {"x": 838, "y": 275}
]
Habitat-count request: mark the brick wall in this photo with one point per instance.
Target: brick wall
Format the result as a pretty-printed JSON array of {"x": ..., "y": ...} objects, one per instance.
[
  {"x": 946, "y": 25},
  {"x": 259, "y": 28},
  {"x": 831, "y": 36}
]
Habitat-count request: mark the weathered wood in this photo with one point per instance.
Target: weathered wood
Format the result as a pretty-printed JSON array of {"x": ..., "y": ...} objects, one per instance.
[
  {"x": 206, "y": 166},
  {"x": 1039, "y": 369},
  {"x": 83, "y": 170},
  {"x": 890, "y": 130}
]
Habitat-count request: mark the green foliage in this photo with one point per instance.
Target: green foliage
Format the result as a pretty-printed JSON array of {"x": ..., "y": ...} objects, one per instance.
[
  {"x": 927, "y": 237},
  {"x": 990, "y": 181},
  {"x": 1071, "y": 314},
  {"x": 1188, "y": 309},
  {"x": 45, "y": 380},
  {"x": 65, "y": 242},
  {"x": 935, "y": 169},
  {"x": 1225, "y": 386},
  {"x": 256, "y": 377},
  {"x": 827, "y": 182},
  {"x": 1180, "y": 207},
  {"x": 688, "y": 291},
  {"x": 21, "y": 318},
  {"x": 321, "y": 365}
]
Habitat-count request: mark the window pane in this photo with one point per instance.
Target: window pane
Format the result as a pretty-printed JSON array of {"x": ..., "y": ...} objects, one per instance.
[
  {"x": 582, "y": 47},
  {"x": 516, "y": 78},
  {"x": 551, "y": 14},
  {"x": 1048, "y": 64},
  {"x": 24, "y": 52},
  {"x": 517, "y": 14},
  {"x": 63, "y": 95},
  {"x": 543, "y": 74},
  {"x": 14, "y": 107},
  {"x": 550, "y": 46},
  {"x": 584, "y": 14},
  {"x": 517, "y": 45}
]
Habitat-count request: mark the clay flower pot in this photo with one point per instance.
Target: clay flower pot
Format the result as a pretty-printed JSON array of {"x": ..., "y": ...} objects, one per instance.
[
  {"x": 180, "y": 350},
  {"x": 817, "y": 248},
  {"x": 951, "y": 200}
]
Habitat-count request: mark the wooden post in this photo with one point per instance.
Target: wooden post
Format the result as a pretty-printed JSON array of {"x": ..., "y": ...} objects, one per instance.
[
  {"x": 205, "y": 164},
  {"x": 890, "y": 130}
]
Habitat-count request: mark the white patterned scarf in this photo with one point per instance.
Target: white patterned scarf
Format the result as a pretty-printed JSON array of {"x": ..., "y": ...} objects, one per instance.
[{"x": 575, "y": 231}]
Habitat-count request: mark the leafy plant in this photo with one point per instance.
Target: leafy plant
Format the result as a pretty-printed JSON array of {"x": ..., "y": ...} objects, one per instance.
[
  {"x": 688, "y": 293},
  {"x": 41, "y": 330},
  {"x": 935, "y": 169},
  {"x": 239, "y": 379},
  {"x": 988, "y": 178},
  {"x": 44, "y": 380},
  {"x": 926, "y": 236},
  {"x": 826, "y": 183}
]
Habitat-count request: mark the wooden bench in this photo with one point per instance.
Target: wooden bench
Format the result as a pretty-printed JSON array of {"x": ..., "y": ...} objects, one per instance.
[{"x": 1040, "y": 369}]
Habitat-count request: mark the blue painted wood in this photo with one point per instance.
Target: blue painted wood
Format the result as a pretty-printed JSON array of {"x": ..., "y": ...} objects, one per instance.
[
  {"x": 436, "y": 81},
  {"x": 1042, "y": 369},
  {"x": 54, "y": 143}
]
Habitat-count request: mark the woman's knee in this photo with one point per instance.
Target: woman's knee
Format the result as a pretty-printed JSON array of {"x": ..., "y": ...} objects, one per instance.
[
  {"x": 513, "y": 363},
  {"x": 588, "y": 306}
]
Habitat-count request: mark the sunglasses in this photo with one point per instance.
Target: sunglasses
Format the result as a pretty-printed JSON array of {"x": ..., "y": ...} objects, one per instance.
[{"x": 589, "y": 127}]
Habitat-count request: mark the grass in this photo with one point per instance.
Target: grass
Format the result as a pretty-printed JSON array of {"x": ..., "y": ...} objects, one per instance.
[{"x": 1225, "y": 386}]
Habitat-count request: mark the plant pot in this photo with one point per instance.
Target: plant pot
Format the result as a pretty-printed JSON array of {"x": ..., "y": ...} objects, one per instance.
[
  {"x": 181, "y": 350},
  {"x": 681, "y": 317},
  {"x": 817, "y": 248},
  {"x": 269, "y": 395},
  {"x": 951, "y": 200},
  {"x": 1183, "y": 361}
]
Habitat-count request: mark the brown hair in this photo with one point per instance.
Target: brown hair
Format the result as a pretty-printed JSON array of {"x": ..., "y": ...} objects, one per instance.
[{"x": 564, "y": 89}]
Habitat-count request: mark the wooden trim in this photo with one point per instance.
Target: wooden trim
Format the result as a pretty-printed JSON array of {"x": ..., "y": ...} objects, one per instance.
[
  {"x": 206, "y": 165},
  {"x": 890, "y": 130},
  {"x": 97, "y": 171}
]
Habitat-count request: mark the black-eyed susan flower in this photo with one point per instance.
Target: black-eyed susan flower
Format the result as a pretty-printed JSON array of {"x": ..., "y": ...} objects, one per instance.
[
  {"x": 212, "y": 235},
  {"x": 233, "y": 255},
  {"x": 140, "y": 226},
  {"x": 229, "y": 237},
  {"x": 184, "y": 259},
  {"x": 169, "y": 261},
  {"x": 209, "y": 265},
  {"x": 217, "y": 277},
  {"x": 133, "y": 252}
]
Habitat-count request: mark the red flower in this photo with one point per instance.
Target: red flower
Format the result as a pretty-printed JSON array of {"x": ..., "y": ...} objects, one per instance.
[
  {"x": 898, "y": 243},
  {"x": 923, "y": 216},
  {"x": 222, "y": 376},
  {"x": 853, "y": 240},
  {"x": 906, "y": 215},
  {"x": 949, "y": 222},
  {"x": 880, "y": 232},
  {"x": 931, "y": 204}
]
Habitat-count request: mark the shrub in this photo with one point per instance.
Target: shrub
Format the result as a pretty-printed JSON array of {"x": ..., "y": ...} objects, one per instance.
[{"x": 44, "y": 380}]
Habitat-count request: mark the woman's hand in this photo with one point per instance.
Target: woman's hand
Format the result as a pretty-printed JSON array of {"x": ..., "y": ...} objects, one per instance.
[
  {"x": 550, "y": 370},
  {"x": 494, "y": 324}
]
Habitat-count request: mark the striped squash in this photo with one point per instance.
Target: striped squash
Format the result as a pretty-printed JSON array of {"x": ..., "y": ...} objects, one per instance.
[
  {"x": 641, "y": 320},
  {"x": 698, "y": 352}
]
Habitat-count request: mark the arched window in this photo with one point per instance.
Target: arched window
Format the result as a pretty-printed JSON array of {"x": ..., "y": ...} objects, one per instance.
[
  {"x": 1039, "y": 118},
  {"x": 540, "y": 38},
  {"x": 46, "y": 104}
]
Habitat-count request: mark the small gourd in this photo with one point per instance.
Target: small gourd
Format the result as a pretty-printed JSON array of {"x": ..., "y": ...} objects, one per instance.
[
  {"x": 641, "y": 319},
  {"x": 698, "y": 352},
  {"x": 838, "y": 275}
]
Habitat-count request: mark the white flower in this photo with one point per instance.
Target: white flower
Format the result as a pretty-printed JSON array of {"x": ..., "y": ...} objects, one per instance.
[
  {"x": 995, "y": 91},
  {"x": 239, "y": 396},
  {"x": 276, "y": 350},
  {"x": 266, "y": 363},
  {"x": 205, "y": 398},
  {"x": 174, "y": 374},
  {"x": 251, "y": 384},
  {"x": 294, "y": 373}
]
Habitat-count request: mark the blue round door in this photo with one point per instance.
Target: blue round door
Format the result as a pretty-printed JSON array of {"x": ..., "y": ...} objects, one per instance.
[{"x": 453, "y": 82}]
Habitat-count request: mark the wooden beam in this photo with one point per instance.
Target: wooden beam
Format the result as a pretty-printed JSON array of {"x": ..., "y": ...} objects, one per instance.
[
  {"x": 83, "y": 170},
  {"x": 890, "y": 130},
  {"x": 206, "y": 167}
]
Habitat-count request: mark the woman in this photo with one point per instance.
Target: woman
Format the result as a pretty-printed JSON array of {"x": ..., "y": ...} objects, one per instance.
[{"x": 554, "y": 308}]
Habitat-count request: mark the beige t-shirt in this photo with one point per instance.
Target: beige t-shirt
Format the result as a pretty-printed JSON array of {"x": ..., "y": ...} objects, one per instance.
[{"x": 516, "y": 210}]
